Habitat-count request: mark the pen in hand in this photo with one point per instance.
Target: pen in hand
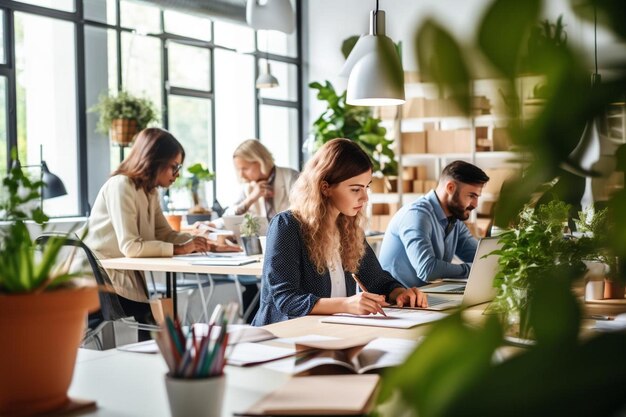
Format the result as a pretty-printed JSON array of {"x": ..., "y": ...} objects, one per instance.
[{"x": 363, "y": 289}]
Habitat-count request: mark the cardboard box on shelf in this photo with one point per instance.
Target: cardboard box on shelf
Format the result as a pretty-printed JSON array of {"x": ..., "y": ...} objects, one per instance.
[
  {"x": 418, "y": 186},
  {"x": 377, "y": 185},
  {"x": 391, "y": 184},
  {"x": 497, "y": 176},
  {"x": 501, "y": 139},
  {"x": 407, "y": 186},
  {"x": 413, "y": 108},
  {"x": 483, "y": 145},
  {"x": 429, "y": 185},
  {"x": 393, "y": 208},
  {"x": 380, "y": 208},
  {"x": 421, "y": 172},
  {"x": 379, "y": 222},
  {"x": 408, "y": 173},
  {"x": 440, "y": 141},
  {"x": 413, "y": 142},
  {"x": 462, "y": 141}
]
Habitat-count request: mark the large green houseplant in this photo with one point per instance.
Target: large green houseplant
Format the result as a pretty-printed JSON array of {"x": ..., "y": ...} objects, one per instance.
[
  {"x": 39, "y": 308},
  {"x": 122, "y": 115},
  {"x": 455, "y": 370}
]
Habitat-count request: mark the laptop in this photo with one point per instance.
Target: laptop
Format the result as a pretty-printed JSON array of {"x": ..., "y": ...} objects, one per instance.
[
  {"x": 479, "y": 287},
  {"x": 233, "y": 223}
]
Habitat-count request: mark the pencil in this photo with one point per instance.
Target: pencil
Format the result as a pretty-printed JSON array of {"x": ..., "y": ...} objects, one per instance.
[{"x": 362, "y": 287}]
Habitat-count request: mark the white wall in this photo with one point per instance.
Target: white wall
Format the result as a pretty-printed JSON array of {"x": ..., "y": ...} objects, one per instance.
[{"x": 332, "y": 21}]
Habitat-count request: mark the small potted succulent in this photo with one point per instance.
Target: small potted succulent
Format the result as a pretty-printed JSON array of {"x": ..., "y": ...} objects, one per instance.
[
  {"x": 38, "y": 304},
  {"x": 123, "y": 115},
  {"x": 250, "y": 235}
]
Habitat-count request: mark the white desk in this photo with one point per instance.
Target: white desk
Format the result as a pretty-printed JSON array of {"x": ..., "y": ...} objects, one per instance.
[{"x": 171, "y": 266}]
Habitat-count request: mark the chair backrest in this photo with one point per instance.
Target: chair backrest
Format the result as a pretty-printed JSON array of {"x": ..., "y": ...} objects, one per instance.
[{"x": 110, "y": 306}]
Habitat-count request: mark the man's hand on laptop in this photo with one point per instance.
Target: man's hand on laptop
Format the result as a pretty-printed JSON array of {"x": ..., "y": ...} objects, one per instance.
[{"x": 409, "y": 297}]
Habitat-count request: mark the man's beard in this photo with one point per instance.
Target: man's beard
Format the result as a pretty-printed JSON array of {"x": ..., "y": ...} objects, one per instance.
[{"x": 457, "y": 209}]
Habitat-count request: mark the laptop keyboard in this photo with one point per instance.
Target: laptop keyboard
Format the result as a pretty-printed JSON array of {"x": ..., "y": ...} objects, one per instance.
[{"x": 434, "y": 300}]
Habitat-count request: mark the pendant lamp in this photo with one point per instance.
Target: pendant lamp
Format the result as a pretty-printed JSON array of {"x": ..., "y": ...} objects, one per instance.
[
  {"x": 374, "y": 68},
  {"x": 273, "y": 15},
  {"x": 266, "y": 79}
]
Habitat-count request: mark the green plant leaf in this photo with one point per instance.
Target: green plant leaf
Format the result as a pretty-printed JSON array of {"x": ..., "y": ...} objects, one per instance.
[
  {"x": 441, "y": 60},
  {"x": 504, "y": 30}
]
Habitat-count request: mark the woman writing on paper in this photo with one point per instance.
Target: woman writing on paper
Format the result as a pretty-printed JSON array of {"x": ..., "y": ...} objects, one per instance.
[
  {"x": 313, "y": 248},
  {"x": 127, "y": 221}
]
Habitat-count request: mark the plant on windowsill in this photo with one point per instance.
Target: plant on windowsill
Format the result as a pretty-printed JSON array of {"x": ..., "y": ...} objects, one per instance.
[
  {"x": 123, "y": 115},
  {"x": 250, "y": 235},
  {"x": 37, "y": 305},
  {"x": 195, "y": 181}
]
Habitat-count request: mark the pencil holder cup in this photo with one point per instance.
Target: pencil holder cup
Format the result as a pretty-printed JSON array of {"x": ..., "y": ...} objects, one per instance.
[{"x": 197, "y": 397}]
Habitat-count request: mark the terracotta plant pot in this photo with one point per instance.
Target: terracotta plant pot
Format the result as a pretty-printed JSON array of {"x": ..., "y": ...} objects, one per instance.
[
  {"x": 123, "y": 131},
  {"x": 174, "y": 221},
  {"x": 41, "y": 334},
  {"x": 613, "y": 289}
]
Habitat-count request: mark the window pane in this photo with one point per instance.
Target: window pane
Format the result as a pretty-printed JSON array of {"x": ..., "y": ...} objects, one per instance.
[
  {"x": 141, "y": 66},
  {"x": 187, "y": 25},
  {"x": 189, "y": 66},
  {"x": 234, "y": 36},
  {"x": 190, "y": 123},
  {"x": 100, "y": 78},
  {"x": 65, "y": 5},
  {"x": 3, "y": 126},
  {"x": 3, "y": 58},
  {"x": 287, "y": 77},
  {"x": 46, "y": 102},
  {"x": 279, "y": 133},
  {"x": 100, "y": 11},
  {"x": 234, "y": 116},
  {"x": 145, "y": 19},
  {"x": 278, "y": 43}
]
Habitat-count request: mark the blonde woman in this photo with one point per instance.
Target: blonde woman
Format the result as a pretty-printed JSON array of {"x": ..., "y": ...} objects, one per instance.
[
  {"x": 313, "y": 248},
  {"x": 265, "y": 186}
]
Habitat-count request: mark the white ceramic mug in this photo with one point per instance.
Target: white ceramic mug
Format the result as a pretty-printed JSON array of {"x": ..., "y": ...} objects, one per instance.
[
  {"x": 594, "y": 290},
  {"x": 195, "y": 397}
]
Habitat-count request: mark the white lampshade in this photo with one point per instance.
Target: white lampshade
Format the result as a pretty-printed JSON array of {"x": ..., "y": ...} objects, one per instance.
[
  {"x": 266, "y": 79},
  {"x": 375, "y": 71},
  {"x": 586, "y": 153},
  {"x": 273, "y": 15}
]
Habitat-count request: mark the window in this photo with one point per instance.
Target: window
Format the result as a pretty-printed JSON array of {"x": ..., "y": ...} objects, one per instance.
[
  {"x": 46, "y": 102},
  {"x": 234, "y": 116},
  {"x": 102, "y": 11},
  {"x": 187, "y": 25},
  {"x": 3, "y": 58},
  {"x": 189, "y": 66},
  {"x": 140, "y": 17},
  {"x": 279, "y": 133},
  {"x": 3, "y": 126},
  {"x": 190, "y": 122},
  {"x": 65, "y": 5}
]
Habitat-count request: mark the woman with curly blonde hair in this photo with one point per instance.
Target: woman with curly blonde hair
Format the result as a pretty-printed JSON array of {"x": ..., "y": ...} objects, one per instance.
[{"x": 313, "y": 249}]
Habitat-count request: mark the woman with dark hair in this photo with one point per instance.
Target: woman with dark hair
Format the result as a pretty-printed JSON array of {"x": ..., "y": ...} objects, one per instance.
[
  {"x": 126, "y": 219},
  {"x": 314, "y": 248}
]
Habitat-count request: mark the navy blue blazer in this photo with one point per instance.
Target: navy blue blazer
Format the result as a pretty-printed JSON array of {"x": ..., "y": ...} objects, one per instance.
[{"x": 291, "y": 286}]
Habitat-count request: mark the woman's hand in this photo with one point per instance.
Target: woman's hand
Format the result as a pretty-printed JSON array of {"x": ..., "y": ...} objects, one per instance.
[
  {"x": 260, "y": 189},
  {"x": 410, "y": 297},
  {"x": 365, "y": 303},
  {"x": 196, "y": 244}
]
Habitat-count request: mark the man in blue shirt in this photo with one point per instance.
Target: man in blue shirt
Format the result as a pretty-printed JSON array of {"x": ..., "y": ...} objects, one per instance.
[{"x": 423, "y": 237}]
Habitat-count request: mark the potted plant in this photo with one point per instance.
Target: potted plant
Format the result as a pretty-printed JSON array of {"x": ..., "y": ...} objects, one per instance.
[
  {"x": 250, "y": 235},
  {"x": 595, "y": 226},
  {"x": 194, "y": 180},
  {"x": 531, "y": 251},
  {"x": 42, "y": 312},
  {"x": 123, "y": 115}
]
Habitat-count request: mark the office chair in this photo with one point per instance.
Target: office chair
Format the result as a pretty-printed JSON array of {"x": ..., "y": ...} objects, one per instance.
[{"x": 111, "y": 309}]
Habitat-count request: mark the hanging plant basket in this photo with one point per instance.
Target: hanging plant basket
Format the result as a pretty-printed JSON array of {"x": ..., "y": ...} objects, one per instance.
[{"x": 123, "y": 131}]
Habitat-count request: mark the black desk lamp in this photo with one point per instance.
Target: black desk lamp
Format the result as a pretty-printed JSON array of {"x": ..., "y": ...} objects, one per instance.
[{"x": 52, "y": 186}]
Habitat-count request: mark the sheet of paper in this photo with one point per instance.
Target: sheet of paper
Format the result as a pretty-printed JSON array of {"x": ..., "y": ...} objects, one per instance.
[
  {"x": 149, "y": 346},
  {"x": 210, "y": 256},
  {"x": 245, "y": 354},
  {"x": 396, "y": 318}
]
